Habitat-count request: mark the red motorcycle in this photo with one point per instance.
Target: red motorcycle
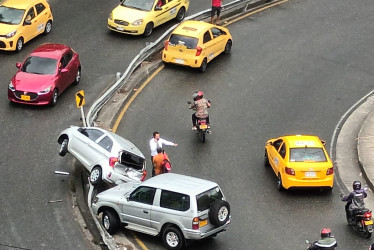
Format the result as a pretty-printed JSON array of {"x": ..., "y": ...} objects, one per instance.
[{"x": 202, "y": 127}]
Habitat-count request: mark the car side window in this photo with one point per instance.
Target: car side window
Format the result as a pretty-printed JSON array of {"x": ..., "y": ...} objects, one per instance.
[
  {"x": 282, "y": 150},
  {"x": 175, "y": 201},
  {"x": 39, "y": 8},
  {"x": 93, "y": 134},
  {"x": 68, "y": 56},
  {"x": 143, "y": 195},
  {"x": 106, "y": 143},
  {"x": 30, "y": 14},
  {"x": 277, "y": 144},
  {"x": 62, "y": 63},
  {"x": 216, "y": 32},
  {"x": 207, "y": 37}
]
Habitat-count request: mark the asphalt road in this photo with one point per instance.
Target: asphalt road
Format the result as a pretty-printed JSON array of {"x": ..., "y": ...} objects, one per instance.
[
  {"x": 295, "y": 68},
  {"x": 28, "y": 151}
]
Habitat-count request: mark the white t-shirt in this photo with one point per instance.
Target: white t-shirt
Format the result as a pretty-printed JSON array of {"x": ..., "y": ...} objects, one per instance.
[{"x": 154, "y": 144}]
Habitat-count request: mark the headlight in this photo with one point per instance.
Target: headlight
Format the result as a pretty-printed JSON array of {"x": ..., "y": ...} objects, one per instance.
[
  {"x": 45, "y": 91},
  {"x": 111, "y": 16},
  {"x": 137, "y": 22},
  {"x": 11, "y": 87},
  {"x": 11, "y": 34}
]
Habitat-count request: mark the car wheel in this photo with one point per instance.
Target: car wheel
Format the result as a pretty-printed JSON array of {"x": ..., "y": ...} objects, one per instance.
[
  {"x": 266, "y": 159},
  {"x": 181, "y": 14},
  {"x": 48, "y": 27},
  {"x": 64, "y": 147},
  {"x": 148, "y": 29},
  {"x": 172, "y": 238},
  {"x": 96, "y": 175},
  {"x": 279, "y": 183},
  {"x": 19, "y": 44},
  {"x": 203, "y": 65},
  {"x": 78, "y": 77},
  {"x": 228, "y": 47},
  {"x": 219, "y": 212},
  {"x": 110, "y": 221},
  {"x": 54, "y": 97}
]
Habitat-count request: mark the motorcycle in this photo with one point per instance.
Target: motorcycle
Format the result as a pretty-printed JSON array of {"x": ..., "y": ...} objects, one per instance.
[
  {"x": 358, "y": 216},
  {"x": 311, "y": 244},
  {"x": 202, "y": 127}
]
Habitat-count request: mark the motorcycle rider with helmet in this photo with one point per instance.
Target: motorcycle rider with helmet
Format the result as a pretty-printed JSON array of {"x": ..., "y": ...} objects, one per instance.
[
  {"x": 327, "y": 241},
  {"x": 356, "y": 190},
  {"x": 201, "y": 106}
]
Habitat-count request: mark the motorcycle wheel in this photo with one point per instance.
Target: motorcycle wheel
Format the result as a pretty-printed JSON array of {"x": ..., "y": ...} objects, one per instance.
[
  {"x": 367, "y": 234},
  {"x": 202, "y": 136}
]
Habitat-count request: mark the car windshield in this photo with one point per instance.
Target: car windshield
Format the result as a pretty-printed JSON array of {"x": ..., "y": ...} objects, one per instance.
[
  {"x": 204, "y": 200},
  {"x": 189, "y": 42},
  {"x": 145, "y": 5},
  {"x": 40, "y": 65},
  {"x": 10, "y": 15},
  {"x": 307, "y": 154}
]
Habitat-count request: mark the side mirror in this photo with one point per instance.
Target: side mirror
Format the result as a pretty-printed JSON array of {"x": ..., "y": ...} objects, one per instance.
[
  {"x": 323, "y": 142},
  {"x": 128, "y": 197},
  {"x": 158, "y": 8},
  {"x": 64, "y": 70},
  {"x": 18, "y": 65}
]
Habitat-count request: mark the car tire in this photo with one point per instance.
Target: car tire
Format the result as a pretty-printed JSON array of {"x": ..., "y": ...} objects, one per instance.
[
  {"x": 203, "y": 65},
  {"x": 148, "y": 29},
  {"x": 181, "y": 14},
  {"x": 266, "y": 159},
  {"x": 172, "y": 238},
  {"x": 279, "y": 183},
  {"x": 110, "y": 221},
  {"x": 19, "y": 44},
  {"x": 219, "y": 213},
  {"x": 64, "y": 147},
  {"x": 48, "y": 27},
  {"x": 54, "y": 97},
  {"x": 96, "y": 175},
  {"x": 77, "y": 78},
  {"x": 228, "y": 47}
]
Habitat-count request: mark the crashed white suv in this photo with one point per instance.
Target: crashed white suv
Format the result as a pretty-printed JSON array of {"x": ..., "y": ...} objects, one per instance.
[{"x": 175, "y": 206}]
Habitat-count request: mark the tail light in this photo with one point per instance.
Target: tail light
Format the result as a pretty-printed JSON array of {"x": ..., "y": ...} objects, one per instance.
[
  {"x": 144, "y": 175},
  {"x": 166, "y": 44},
  {"x": 195, "y": 223},
  {"x": 330, "y": 171},
  {"x": 367, "y": 215},
  {"x": 112, "y": 161},
  {"x": 290, "y": 171},
  {"x": 198, "y": 50}
]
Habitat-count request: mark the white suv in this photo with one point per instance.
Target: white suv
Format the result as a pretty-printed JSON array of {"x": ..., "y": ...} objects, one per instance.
[{"x": 175, "y": 206}]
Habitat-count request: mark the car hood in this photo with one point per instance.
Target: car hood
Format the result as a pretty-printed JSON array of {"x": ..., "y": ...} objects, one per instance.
[
  {"x": 7, "y": 28},
  {"x": 23, "y": 81},
  {"x": 118, "y": 191},
  {"x": 128, "y": 14}
]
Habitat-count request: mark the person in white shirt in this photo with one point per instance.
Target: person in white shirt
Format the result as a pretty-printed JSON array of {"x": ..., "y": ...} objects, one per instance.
[{"x": 156, "y": 142}]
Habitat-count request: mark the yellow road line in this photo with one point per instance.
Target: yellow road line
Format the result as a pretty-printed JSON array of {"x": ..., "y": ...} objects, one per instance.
[
  {"x": 141, "y": 244},
  {"x": 119, "y": 118}
]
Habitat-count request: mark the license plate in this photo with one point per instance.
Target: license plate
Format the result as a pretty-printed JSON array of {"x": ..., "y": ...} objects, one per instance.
[
  {"x": 120, "y": 28},
  {"x": 180, "y": 61},
  {"x": 204, "y": 126},
  {"x": 310, "y": 174},
  {"x": 203, "y": 223},
  {"x": 25, "y": 97},
  {"x": 368, "y": 222}
]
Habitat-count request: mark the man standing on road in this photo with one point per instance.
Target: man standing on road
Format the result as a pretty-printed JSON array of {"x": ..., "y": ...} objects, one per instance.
[
  {"x": 156, "y": 142},
  {"x": 216, "y": 8}
]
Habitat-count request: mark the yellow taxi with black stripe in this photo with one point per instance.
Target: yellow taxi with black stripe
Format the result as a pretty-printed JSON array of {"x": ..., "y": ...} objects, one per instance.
[
  {"x": 196, "y": 43},
  {"x": 22, "y": 20},
  {"x": 299, "y": 161},
  {"x": 139, "y": 17}
]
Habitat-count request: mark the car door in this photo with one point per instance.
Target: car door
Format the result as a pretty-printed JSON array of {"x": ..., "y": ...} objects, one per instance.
[
  {"x": 41, "y": 16},
  {"x": 220, "y": 39},
  {"x": 164, "y": 11},
  {"x": 137, "y": 209},
  {"x": 208, "y": 46},
  {"x": 30, "y": 25},
  {"x": 274, "y": 155},
  {"x": 68, "y": 74}
]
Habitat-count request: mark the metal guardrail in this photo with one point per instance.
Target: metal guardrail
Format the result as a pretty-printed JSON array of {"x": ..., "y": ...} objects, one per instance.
[{"x": 148, "y": 51}]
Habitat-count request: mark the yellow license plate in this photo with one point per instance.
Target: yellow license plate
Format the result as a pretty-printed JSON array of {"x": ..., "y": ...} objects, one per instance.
[
  {"x": 203, "y": 223},
  {"x": 204, "y": 126},
  {"x": 25, "y": 97},
  {"x": 368, "y": 222}
]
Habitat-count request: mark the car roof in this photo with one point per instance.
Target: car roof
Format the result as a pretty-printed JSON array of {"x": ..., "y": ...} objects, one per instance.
[
  {"x": 192, "y": 28},
  {"x": 300, "y": 141},
  {"x": 50, "y": 50},
  {"x": 126, "y": 144},
  {"x": 19, "y": 4},
  {"x": 180, "y": 183}
]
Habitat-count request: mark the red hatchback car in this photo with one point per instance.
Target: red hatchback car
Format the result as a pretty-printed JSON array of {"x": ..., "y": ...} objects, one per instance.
[{"x": 44, "y": 75}]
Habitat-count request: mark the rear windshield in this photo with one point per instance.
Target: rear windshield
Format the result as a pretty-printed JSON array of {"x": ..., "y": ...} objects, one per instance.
[
  {"x": 204, "y": 200},
  {"x": 307, "y": 154},
  {"x": 132, "y": 160},
  {"x": 189, "y": 42}
]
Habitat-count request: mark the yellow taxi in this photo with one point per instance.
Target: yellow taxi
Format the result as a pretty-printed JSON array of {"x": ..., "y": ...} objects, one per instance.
[
  {"x": 299, "y": 161},
  {"x": 21, "y": 21},
  {"x": 195, "y": 43},
  {"x": 139, "y": 17}
]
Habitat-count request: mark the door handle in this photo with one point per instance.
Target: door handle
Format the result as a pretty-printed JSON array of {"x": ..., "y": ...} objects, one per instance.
[{"x": 145, "y": 211}]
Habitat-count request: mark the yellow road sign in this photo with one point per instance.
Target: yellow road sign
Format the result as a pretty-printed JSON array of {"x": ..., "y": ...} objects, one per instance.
[{"x": 79, "y": 98}]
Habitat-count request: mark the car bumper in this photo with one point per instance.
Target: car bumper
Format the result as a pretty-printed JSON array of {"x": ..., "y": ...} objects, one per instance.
[
  {"x": 35, "y": 99},
  {"x": 8, "y": 44},
  {"x": 289, "y": 182},
  {"x": 131, "y": 30},
  {"x": 197, "y": 234},
  {"x": 189, "y": 61}
]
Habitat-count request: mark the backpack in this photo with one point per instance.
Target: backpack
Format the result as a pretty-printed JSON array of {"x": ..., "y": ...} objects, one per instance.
[{"x": 166, "y": 165}]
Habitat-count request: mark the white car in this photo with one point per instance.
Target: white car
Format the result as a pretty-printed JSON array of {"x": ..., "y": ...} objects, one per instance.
[{"x": 107, "y": 156}]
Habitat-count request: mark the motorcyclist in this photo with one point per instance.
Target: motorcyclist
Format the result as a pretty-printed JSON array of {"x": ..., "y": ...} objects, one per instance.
[
  {"x": 201, "y": 106},
  {"x": 327, "y": 241},
  {"x": 356, "y": 190}
]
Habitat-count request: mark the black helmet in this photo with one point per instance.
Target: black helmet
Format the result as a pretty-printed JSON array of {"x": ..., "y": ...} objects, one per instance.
[
  {"x": 356, "y": 185},
  {"x": 325, "y": 232}
]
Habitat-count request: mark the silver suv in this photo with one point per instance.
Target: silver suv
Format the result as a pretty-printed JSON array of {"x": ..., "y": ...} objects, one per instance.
[{"x": 175, "y": 206}]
